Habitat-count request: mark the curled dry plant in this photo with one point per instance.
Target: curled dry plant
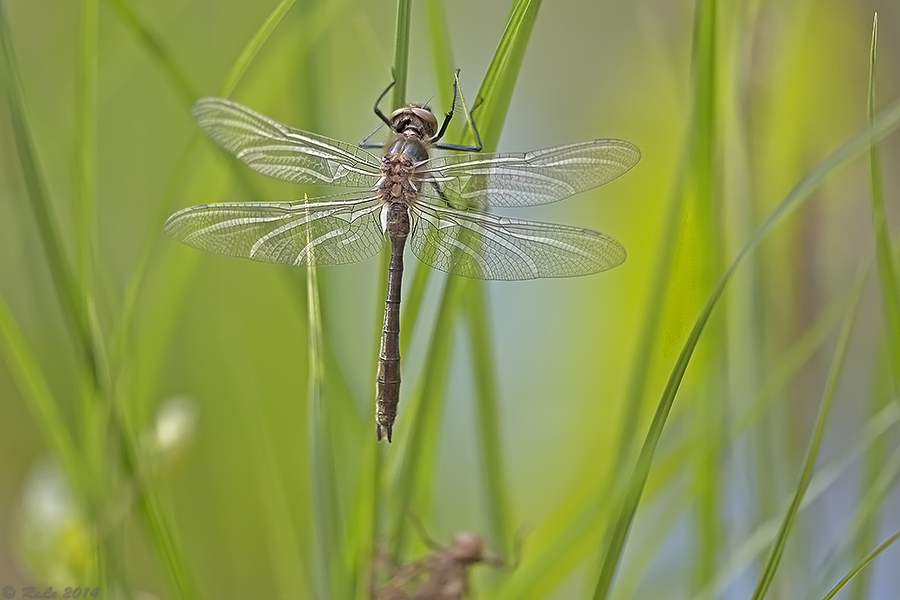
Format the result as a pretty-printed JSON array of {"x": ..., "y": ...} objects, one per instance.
[{"x": 443, "y": 574}]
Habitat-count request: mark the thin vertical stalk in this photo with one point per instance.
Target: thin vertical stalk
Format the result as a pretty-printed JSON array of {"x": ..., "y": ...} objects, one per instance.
[
  {"x": 86, "y": 157},
  {"x": 161, "y": 55},
  {"x": 51, "y": 239},
  {"x": 500, "y": 517},
  {"x": 442, "y": 55},
  {"x": 253, "y": 47},
  {"x": 325, "y": 485},
  {"x": 887, "y": 268},
  {"x": 400, "y": 73},
  {"x": 401, "y": 52},
  {"x": 496, "y": 92},
  {"x": 701, "y": 178},
  {"x": 862, "y": 564},
  {"x": 775, "y": 553}
]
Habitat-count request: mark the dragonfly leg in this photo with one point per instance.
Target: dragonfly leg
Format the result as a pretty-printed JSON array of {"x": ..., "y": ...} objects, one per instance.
[
  {"x": 449, "y": 116},
  {"x": 378, "y": 112},
  {"x": 365, "y": 143}
]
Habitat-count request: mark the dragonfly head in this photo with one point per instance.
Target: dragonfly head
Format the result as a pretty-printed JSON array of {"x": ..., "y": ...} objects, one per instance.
[{"x": 414, "y": 119}]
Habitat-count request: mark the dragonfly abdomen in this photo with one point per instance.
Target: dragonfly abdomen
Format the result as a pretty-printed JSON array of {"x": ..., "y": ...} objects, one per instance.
[{"x": 388, "y": 386}]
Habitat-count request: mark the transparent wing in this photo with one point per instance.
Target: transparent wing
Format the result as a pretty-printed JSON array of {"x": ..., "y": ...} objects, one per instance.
[
  {"x": 279, "y": 151},
  {"x": 319, "y": 231},
  {"x": 530, "y": 178},
  {"x": 484, "y": 246}
]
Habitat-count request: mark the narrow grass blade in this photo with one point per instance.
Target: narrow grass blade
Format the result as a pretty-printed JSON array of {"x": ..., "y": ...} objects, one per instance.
[
  {"x": 500, "y": 514},
  {"x": 887, "y": 268},
  {"x": 701, "y": 189},
  {"x": 441, "y": 51},
  {"x": 325, "y": 484},
  {"x": 252, "y": 48},
  {"x": 35, "y": 391},
  {"x": 168, "y": 549},
  {"x": 401, "y": 52},
  {"x": 399, "y": 73},
  {"x": 867, "y": 515},
  {"x": 85, "y": 208},
  {"x": 754, "y": 546},
  {"x": 834, "y": 372},
  {"x": 183, "y": 165},
  {"x": 157, "y": 49},
  {"x": 496, "y": 90},
  {"x": 851, "y": 149},
  {"x": 862, "y": 564},
  {"x": 413, "y": 476},
  {"x": 873, "y": 473},
  {"x": 441, "y": 54},
  {"x": 51, "y": 239},
  {"x": 161, "y": 533},
  {"x": 500, "y": 80}
]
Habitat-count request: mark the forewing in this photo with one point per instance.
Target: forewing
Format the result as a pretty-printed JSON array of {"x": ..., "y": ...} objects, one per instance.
[
  {"x": 279, "y": 151},
  {"x": 530, "y": 178},
  {"x": 485, "y": 246},
  {"x": 319, "y": 231}
]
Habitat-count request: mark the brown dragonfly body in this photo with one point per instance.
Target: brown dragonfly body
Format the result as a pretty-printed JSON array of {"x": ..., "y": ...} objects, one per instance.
[
  {"x": 398, "y": 190},
  {"x": 433, "y": 204}
]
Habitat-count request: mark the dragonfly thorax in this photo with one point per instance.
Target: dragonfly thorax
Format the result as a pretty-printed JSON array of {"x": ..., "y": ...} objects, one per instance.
[
  {"x": 414, "y": 121},
  {"x": 399, "y": 172}
]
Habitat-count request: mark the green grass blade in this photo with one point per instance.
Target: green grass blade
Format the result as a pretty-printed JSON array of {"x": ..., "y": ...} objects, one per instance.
[
  {"x": 95, "y": 407},
  {"x": 874, "y": 472},
  {"x": 35, "y": 391},
  {"x": 399, "y": 74},
  {"x": 252, "y": 48},
  {"x": 701, "y": 181},
  {"x": 441, "y": 50},
  {"x": 51, "y": 239},
  {"x": 496, "y": 89},
  {"x": 881, "y": 126},
  {"x": 441, "y": 54},
  {"x": 181, "y": 173},
  {"x": 167, "y": 547},
  {"x": 834, "y": 371},
  {"x": 496, "y": 481},
  {"x": 887, "y": 268},
  {"x": 161, "y": 533},
  {"x": 401, "y": 53},
  {"x": 325, "y": 485},
  {"x": 867, "y": 514},
  {"x": 754, "y": 546},
  {"x": 496, "y": 92},
  {"x": 500, "y": 80},
  {"x": 862, "y": 564},
  {"x": 158, "y": 51},
  {"x": 413, "y": 476},
  {"x": 85, "y": 208}
]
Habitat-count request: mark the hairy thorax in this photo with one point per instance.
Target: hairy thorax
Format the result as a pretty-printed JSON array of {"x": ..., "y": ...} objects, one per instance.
[{"x": 399, "y": 171}]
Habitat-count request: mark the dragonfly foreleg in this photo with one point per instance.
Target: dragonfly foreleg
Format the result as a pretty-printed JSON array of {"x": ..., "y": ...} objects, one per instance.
[{"x": 378, "y": 112}]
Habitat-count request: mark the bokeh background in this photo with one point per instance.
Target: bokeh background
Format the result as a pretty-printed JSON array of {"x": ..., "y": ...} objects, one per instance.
[{"x": 228, "y": 445}]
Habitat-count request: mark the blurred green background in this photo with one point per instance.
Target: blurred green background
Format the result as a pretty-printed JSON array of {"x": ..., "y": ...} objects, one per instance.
[{"x": 224, "y": 445}]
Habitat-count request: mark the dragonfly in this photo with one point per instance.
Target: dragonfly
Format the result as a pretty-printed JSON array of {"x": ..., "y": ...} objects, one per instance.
[{"x": 436, "y": 204}]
